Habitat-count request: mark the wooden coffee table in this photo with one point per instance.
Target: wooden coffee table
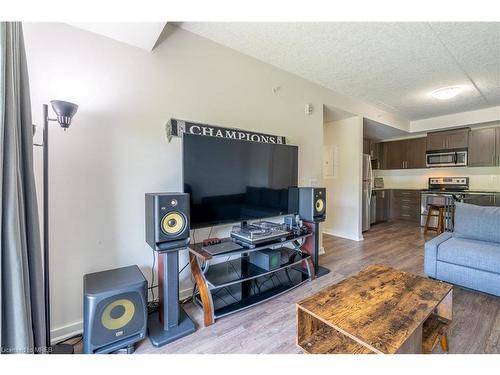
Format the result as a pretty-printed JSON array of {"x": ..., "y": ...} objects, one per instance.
[{"x": 378, "y": 310}]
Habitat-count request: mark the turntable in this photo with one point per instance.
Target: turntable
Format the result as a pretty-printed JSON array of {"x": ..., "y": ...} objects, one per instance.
[{"x": 258, "y": 233}]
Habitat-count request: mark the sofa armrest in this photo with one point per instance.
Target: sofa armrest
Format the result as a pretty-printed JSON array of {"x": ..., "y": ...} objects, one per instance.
[{"x": 431, "y": 248}]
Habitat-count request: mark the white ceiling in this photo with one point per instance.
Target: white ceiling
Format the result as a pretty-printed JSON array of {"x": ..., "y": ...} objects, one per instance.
[
  {"x": 391, "y": 65},
  {"x": 138, "y": 34}
]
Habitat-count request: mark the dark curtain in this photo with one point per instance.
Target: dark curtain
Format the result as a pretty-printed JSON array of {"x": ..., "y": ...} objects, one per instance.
[{"x": 22, "y": 319}]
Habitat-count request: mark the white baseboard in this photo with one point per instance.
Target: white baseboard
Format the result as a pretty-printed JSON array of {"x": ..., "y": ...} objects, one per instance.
[
  {"x": 65, "y": 332},
  {"x": 186, "y": 293},
  {"x": 342, "y": 235},
  {"x": 69, "y": 330}
]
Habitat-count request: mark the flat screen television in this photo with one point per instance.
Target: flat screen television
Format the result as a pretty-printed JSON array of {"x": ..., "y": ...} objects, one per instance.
[{"x": 233, "y": 180}]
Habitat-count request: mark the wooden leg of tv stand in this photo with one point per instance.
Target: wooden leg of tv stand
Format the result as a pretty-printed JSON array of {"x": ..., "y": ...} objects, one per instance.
[{"x": 206, "y": 298}]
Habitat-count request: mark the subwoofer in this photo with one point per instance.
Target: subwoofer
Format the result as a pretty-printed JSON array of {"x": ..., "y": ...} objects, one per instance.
[
  {"x": 167, "y": 220},
  {"x": 115, "y": 310},
  {"x": 312, "y": 204}
]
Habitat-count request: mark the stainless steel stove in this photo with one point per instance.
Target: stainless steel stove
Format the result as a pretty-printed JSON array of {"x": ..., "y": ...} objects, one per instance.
[
  {"x": 443, "y": 191},
  {"x": 457, "y": 184}
]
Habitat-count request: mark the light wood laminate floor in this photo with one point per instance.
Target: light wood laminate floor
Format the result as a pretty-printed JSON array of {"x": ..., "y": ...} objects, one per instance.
[{"x": 270, "y": 327}]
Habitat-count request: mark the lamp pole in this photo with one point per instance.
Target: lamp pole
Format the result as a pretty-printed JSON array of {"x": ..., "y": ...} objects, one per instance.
[
  {"x": 64, "y": 111},
  {"x": 46, "y": 223}
]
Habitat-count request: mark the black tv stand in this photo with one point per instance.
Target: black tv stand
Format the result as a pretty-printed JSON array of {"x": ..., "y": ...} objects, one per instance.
[{"x": 235, "y": 284}]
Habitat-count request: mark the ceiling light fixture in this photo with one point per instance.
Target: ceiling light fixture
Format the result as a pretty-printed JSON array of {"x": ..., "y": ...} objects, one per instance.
[{"x": 446, "y": 93}]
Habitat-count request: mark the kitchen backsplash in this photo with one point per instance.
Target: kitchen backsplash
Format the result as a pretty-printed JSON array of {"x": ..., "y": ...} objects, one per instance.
[{"x": 480, "y": 178}]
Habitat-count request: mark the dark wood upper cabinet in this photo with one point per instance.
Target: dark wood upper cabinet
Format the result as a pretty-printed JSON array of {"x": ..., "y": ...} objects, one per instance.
[
  {"x": 404, "y": 154},
  {"x": 482, "y": 148},
  {"x": 366, "y": 146},
  {"x": 448, "y": 140},
  {"x": 374, "y": 150},
  {"x": 416, "y": 153},
  {"x": 436, "y": 141},
  {"x": 394, "y": 156},
  {"x": 458, "y": 139}
]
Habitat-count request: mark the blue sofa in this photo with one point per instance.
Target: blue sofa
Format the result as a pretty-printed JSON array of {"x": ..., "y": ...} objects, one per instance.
[{"x": 470, "y": 256}]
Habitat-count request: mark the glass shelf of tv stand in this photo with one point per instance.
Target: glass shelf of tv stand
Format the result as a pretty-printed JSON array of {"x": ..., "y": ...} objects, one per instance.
[
  {"x": 238, "y": 270},
  {"x": 244, "y": 292}
]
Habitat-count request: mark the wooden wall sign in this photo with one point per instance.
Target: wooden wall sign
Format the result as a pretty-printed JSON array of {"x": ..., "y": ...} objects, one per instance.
[{"x": 176, "y": 128}]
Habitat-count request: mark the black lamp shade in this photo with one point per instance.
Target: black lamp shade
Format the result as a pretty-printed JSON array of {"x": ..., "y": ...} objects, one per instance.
[{"x": 64, "y": 111}]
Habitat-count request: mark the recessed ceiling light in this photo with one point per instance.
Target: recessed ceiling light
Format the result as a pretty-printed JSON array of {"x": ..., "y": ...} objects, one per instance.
[{"x": 445, "y": 93}]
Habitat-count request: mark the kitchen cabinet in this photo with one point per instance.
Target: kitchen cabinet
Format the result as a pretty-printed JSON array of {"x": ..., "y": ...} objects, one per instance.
[
  {"x": 366, "y": 146},
  {"x": 404, "y": 154},
  {"x": 448, "y": 140},
  {"x": 405, "y": 205},
  {"x": 373, "y": 148},
  {"x": 394, "y": 155},
  {"x": 482, "y": 146},
  {"x": 416, "y": 153}
]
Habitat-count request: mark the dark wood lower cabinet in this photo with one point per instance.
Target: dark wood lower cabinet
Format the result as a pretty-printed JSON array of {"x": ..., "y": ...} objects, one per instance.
[{"x": 405, "y": 205}]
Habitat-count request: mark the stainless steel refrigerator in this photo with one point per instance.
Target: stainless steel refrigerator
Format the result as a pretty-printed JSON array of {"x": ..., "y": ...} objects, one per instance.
[{"x": 367, "y": 192}]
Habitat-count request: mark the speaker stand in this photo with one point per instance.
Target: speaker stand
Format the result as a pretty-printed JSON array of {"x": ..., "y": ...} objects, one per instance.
[
  {"x": 171, "y": 321},
  {"x": 160, "y": 336},
  {"x": 321, "y": 271}
]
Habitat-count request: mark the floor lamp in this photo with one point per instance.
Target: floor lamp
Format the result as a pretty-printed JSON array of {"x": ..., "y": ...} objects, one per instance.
[{"x": 64, "y": 113}]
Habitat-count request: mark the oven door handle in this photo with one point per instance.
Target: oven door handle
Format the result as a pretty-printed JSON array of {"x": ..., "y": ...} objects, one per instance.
[{"x": 455, "y": 158}]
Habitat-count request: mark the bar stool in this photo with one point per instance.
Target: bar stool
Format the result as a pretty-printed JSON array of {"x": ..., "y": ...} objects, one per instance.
[{"x": 435, "y": 211}]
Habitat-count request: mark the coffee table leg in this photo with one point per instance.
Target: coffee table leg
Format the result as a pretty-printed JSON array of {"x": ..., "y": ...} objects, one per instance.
[
  {"x": 445, "y": 308},
  {"x": 444, "y": 343}
]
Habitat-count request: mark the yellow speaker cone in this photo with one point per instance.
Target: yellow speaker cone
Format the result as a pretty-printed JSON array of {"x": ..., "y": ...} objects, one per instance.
[
  {"x": 320, "y": 205},
  {"x": 173, "y": 223},
  {"x": 116, "y": 323}
]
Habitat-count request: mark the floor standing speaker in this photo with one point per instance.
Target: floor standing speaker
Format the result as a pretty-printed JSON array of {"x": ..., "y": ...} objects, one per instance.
[
  {"x": 115, "y": 309},
  {"x": 311, "y": 207},
  {"x": 167, "y": 232}
]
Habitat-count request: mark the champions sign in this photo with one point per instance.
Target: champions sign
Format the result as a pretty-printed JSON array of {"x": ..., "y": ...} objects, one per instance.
[{"x": 179, "y": 127}]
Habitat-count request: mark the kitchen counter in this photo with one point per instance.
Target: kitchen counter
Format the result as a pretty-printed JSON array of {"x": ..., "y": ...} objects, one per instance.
[
  {"x": 392, "y": 188},
  {"x": 471, "y": 191}
]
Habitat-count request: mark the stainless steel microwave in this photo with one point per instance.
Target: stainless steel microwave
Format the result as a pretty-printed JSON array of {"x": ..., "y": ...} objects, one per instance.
[{"x": 446, "y": 159}]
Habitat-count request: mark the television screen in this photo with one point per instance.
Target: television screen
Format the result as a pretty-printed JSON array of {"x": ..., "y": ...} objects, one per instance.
[{"x": 233, "y": 180}]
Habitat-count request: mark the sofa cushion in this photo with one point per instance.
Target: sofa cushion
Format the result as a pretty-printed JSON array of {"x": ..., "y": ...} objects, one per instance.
[
  {"x": 477, "y": 223},
  {"x": 470, "y": 253}
]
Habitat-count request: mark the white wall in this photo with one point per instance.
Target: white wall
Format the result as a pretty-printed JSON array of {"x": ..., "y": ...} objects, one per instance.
[
  {"x": 344, "y": 189},
  {"x": 115, "y": 150}
]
